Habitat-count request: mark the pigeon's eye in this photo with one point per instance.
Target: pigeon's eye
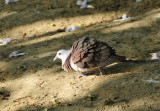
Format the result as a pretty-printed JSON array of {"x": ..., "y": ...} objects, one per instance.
[{"x": 59, "y": 53}]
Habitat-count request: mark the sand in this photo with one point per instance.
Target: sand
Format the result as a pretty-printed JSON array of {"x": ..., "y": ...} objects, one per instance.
[{"x": 34, "y": 82}]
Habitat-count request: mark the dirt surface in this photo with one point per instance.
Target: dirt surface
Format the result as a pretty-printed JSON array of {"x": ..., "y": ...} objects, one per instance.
[{"x": 33, "y": 82}]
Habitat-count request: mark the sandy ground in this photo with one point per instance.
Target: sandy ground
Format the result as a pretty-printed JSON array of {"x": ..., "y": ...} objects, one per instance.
[{"x": 34, "y": 82}]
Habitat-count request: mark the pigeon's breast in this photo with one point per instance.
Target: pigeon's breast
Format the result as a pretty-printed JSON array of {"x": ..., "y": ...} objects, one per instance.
[{"x": 76, "y": 68}]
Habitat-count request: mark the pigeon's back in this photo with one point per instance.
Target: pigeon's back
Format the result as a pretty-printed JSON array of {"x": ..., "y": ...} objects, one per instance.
[{"x": 88, "y": 53}]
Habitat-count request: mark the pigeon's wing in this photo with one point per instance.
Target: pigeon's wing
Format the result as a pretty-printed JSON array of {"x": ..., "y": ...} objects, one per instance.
[{"x": 89, "y": 53}]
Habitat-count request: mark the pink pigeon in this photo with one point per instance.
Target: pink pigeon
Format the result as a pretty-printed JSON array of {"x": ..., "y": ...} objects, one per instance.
[{"x": 87, "y": 54}]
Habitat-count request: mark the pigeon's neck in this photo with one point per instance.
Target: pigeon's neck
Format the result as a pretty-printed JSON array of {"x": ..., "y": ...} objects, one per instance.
[{"x": 65, "y": 56}]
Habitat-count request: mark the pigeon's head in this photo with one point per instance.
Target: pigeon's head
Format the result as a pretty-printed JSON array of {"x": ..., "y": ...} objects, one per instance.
[{"x": 61, "y": 54}]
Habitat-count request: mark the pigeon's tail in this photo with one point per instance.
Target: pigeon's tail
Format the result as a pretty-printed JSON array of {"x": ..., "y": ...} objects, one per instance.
[
  {"x": 121, "y": 58},
  {"x": 118, "y": 58}
]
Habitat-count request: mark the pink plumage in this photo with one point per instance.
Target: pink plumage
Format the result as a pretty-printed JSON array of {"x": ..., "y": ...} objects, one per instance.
[{"x": 87, "y": 54}]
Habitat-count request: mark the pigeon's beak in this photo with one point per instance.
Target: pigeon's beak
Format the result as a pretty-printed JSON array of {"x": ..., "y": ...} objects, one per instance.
[{"x": 55, "y": 58}]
